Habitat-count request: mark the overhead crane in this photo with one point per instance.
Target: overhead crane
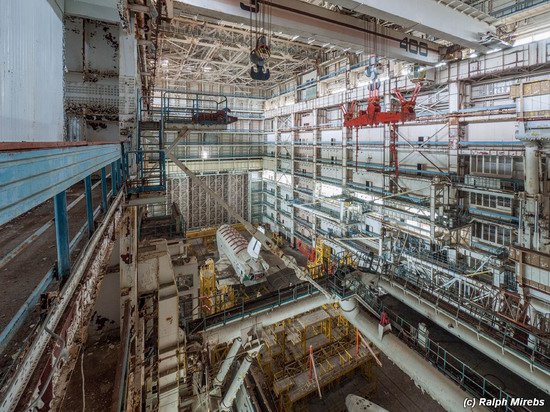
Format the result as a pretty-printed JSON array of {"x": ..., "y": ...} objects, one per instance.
[{"x": 374, "y": 116}]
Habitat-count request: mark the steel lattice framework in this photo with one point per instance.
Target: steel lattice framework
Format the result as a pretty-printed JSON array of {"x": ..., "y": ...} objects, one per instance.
[
  {"x": 198, "y": 50},
  {"x": 199, "y": 209}
]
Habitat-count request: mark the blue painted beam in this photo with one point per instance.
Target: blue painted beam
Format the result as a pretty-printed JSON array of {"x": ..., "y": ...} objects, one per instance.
[
  {"x": 29, "y": 178},
  {"x": 103, "y": 189},
  {"x": 120, "y": 172},
  {"x": 62, "y": 234},
  {"x": 114, "y": 182},
  {"x": 89, "y": 204}
]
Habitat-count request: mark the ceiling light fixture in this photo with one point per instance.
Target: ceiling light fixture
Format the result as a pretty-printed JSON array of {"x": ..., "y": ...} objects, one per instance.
[
  {"x": 473, "y": 56},
  {"x": 294, "y": 38},
  {"x": 441, "y": 64}
]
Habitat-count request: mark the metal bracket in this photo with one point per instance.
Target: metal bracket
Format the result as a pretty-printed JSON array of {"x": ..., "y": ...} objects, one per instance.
[{"x": 254, "y": 6}]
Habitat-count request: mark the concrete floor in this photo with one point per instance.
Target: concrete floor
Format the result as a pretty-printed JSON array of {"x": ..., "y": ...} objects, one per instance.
[
  {"x": 99, "y": 366},
  {"x": 391, "y": 389},
  {"x": 491, "y": 370}
]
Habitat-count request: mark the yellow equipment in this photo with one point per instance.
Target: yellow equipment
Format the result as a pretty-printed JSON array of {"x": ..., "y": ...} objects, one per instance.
[
  {"x": 320, "y": 263},
  {"x": 213, "y": 298}
]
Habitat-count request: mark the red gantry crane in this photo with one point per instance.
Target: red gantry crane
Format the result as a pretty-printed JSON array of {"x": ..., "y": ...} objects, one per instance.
[{"x": 373, "y": 116}]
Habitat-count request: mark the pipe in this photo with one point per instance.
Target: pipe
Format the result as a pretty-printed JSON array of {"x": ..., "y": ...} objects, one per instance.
[
  {"x": 228, "y": 361},
  {"x": 228, "y": 332},
  {"x": 531, "y": 167},
  {"x": 442, "y": 390},
  {"x": 236, "y": 384}
]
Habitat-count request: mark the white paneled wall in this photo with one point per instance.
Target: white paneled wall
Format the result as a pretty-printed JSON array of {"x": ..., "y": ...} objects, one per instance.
[{"x": 31, "y": 72}]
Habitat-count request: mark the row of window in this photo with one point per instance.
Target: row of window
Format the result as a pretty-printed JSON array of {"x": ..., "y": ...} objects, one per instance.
[
  {"x": 492, "y": 233},
  {"x": 494, "y": 165},
  {"x": 491, "y": 201}
]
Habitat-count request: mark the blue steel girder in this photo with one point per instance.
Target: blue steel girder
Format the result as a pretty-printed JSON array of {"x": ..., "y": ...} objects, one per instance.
[
  {"x": 29, "y": 178},
  {"x": 89, "y": 204},
  {"x": 62, "y": 234}
]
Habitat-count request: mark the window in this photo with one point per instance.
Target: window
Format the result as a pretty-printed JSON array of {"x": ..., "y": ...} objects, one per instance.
[{"x": 420, "y": 138}]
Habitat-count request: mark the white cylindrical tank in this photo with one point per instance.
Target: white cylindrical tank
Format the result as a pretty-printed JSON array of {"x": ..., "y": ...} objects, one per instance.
[
  {"x": 228, "y": 361},
  {"x": 531, "y": 166},
  {"x": 236, "y": 384}
]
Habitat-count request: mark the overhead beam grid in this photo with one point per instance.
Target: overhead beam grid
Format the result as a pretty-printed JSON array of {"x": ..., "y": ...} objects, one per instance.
[{"x": 312, "y": 25}]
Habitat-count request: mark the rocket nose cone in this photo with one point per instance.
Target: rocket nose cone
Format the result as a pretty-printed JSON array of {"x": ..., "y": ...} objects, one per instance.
[{"x": 352, "y": 400}]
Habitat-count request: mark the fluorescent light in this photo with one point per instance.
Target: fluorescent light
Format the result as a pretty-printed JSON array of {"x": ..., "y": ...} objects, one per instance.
[
  {"x": 440, "y": 64},
  {"x": 473, "y": 56},
  {"x": 325, "y": 45},
  {"x": 204, "y": 154},
  {"x": 294, "y": 38},
  {"x": 310, "y": 41},
  {"x": 207, "y": 68},
  {"x": 497, "y": 49}
]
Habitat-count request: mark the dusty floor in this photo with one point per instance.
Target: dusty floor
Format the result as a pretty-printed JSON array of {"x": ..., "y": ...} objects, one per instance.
[
  {"x": 491, "y": 370},
  {"x": 100, "y": 362},
  {"x": 391, "y": 389}
]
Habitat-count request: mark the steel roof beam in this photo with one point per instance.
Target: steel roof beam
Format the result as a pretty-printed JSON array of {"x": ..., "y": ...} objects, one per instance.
[
  {"x": 324, "y": 26},
  {"x": 427, "y": 16}
]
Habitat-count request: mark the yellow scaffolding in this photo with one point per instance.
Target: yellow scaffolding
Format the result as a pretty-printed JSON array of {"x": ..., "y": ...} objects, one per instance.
[
  {"x": 213, "y": 297},
  {"x": 284, "y": 357}
]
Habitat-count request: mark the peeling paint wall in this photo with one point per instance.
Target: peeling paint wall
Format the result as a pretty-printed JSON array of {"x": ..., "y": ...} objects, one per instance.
[
  {"x": 31, "y": 72},
  {"x": 91, "y": 80}
]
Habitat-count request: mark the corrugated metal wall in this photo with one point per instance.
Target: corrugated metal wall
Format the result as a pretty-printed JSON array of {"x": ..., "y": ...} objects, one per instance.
[{"x": 31, "y": 72}]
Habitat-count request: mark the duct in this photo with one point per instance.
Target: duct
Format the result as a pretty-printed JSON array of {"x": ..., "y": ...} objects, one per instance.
[
  {"x": 236, "y": 384},
  {"x": 442, "y": 390},
  {"x": 228, "y": 361},
  {"x": 515, "y": 362}
]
